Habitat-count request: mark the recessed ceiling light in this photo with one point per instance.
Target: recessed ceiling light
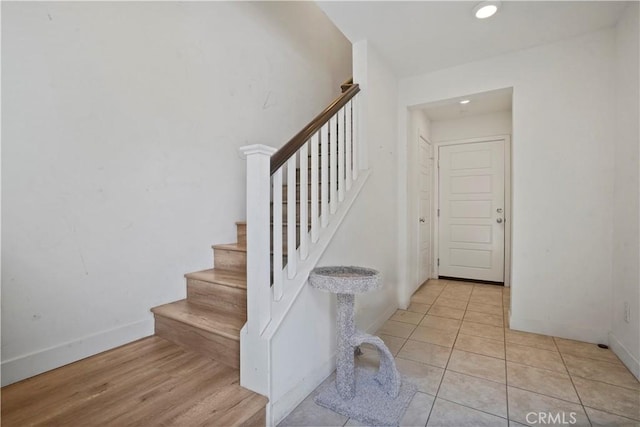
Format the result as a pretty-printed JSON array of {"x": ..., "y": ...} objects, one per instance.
[
  {"x": 465, "y": 101},
  {"x": 486, "y": 9}
]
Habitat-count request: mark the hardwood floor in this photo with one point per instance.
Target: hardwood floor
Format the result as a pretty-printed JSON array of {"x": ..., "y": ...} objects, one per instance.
[{"x": 150, "y": 382}]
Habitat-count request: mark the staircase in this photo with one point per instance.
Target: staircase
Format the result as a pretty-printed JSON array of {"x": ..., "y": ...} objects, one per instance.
[
  {"x": 239, "y": 304},
  {"x": 209, "y": 320}
]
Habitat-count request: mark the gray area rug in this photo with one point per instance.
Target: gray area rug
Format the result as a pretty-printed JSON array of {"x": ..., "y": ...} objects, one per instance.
[{"x": 371, "y": 405}]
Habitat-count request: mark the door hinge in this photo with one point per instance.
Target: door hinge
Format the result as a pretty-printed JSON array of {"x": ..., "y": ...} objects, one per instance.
[
  {"x": 438, "y": 212},
  {"x": 438, "y": 262}
]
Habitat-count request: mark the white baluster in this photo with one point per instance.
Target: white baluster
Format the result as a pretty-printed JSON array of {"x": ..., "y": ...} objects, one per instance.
[
  {"x": 333, "y": 164},
  {"x": 291, "y": 217},
  {"x": 341, "y": 144},
  {"x": 347, "y": 137},
  {"x": 315, "y": 140},
  {"x": 277, "y": 235},
  {"x": 304, "y": 170},
  {"x": 324, "y": 177},
  {"x": 355, "y": 133}
]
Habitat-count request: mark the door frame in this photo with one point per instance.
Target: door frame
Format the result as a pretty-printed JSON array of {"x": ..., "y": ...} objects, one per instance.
[
  {"x": 432, "y": 221},
  {"x": 507, "y": 199}
]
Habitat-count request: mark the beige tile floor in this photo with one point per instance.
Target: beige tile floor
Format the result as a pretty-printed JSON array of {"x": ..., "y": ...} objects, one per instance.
[{"x": 454, "y": 342}]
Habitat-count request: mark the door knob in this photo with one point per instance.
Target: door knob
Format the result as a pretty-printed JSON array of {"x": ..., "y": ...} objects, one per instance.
[
  {"x": 422, "y": 220},
  {"x": 499, "y": 220}
]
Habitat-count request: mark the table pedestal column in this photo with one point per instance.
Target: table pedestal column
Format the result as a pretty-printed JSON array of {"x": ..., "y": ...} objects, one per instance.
[{"x": 345, "y": 366}]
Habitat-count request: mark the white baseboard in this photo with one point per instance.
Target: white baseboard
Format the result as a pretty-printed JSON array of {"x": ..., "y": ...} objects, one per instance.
[
  {"x": 625, "y": 355},
  {"x": 279, "y": 410},
  {"x": 561, "y": 330},
  {"x": 35, "y": 363}
]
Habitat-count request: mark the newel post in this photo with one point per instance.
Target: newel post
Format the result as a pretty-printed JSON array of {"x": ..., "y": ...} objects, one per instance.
[{"x": 258, "y": 236}]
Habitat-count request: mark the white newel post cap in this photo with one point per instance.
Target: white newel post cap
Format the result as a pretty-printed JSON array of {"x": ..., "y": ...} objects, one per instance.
[{"x": 249, "y": 150}]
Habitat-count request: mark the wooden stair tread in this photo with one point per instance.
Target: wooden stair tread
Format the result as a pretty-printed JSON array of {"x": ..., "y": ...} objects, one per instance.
[
  {"x": 231, "y": 278},
  {"x": 220, "y": 322},
  {"x": 238, "y": 247}
]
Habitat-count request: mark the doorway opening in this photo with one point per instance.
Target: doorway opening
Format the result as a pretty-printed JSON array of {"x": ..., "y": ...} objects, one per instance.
[{"x": 467, "y": 233}]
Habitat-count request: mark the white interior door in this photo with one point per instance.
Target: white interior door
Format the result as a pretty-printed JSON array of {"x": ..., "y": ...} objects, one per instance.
[
  {"x": 425, "y": 261},
  {"x": 472, "y": 204}
]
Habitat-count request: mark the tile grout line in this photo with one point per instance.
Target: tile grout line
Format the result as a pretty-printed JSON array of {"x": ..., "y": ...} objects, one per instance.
[
  {"x": 475, "y": 409},
  {"x": 478, "y": 354},
  {"x": 536, "y": 367},
  {"x": 457, "y": 334},
  {"x": 451, "y": 370},
  {"x": 582, "y": 356},
  {"x": 565, "y": 356},
  {"x": 480, "y": 378},
  {"x": 637, "y": 421},
  {"x": 604, "y": 382},
  {"x": 444, "y": 372},
  {"x": 407, "y": 339},
  {"x": 572, "y": 383},
  {"x": 545, "y": 395}
]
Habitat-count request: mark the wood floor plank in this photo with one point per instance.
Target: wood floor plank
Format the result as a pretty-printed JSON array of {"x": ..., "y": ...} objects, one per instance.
[
  {"x": 56, "y": 391},
  {"x": 227, "y": 406},
  {"x": 168, "y": 400},
  {"x": 149, "y": 382},
  {"x": 29, "y": 388},
  {"x": 122, "y": 392}
]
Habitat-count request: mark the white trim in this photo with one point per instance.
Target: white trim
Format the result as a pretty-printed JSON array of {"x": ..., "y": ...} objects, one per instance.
[
  {"x": 292, "y": 398},
  {"x": 248, "y": 150},
  {"x": 507, "y": 198},
  {"x": 35, "y": 363},
  {"x": 432, "y": 220},
  {"x": 562, "y": 329},
  {"x": 625, "y": 355}
]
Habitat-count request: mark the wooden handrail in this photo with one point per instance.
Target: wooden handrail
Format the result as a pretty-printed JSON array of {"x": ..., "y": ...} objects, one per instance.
[
  {"x": 346, "y": 85},
  {"x": 280, "y": 157}
]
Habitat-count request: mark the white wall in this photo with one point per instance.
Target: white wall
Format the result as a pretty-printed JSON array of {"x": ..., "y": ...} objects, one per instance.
[
  {"x": 562, "y": 176},
  {"x": 625, "y": 337},
  {"x": 368, "y": 236},
  {"x": 121, "y": 124},
  {"x": 303, "y": 349},
  {"x": 490, "y": 124}
]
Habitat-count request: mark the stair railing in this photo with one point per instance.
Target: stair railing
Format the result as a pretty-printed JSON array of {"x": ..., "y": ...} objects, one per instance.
[{"x": 318, "y": 167}]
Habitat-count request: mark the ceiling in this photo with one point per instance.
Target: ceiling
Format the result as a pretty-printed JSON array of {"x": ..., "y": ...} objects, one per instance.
[
  {"x": 480, "y": 103},
  {"x": 416, "y": 37}
]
